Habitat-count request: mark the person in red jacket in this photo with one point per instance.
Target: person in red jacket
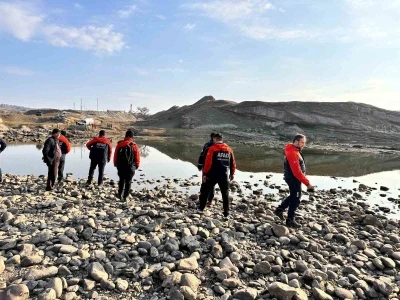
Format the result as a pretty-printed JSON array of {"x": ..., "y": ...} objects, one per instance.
[
  {"x": 219, "y": 168},
  {"x": 65, "y": 149},
  {"x": 294, "y": 175},
  {"x": 100, "y": 153},
  {"x": 127, "y": 161}
]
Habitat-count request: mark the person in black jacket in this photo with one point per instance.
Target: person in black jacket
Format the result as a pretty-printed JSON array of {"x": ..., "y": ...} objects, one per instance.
[
  {"x": 52, "y": 156},
  {"x": 100, "y": 153},
  {"x": 200, "y": 166},
  {"x": 3, "y": 146}
]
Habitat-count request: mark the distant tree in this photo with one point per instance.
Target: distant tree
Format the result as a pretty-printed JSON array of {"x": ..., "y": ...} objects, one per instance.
[{"x": 143, "y": 112}]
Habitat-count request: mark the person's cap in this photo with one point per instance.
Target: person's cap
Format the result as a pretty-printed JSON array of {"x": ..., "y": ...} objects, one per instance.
[
  {"x": 218, "y": 135},
  {"x": 63, "y": 132},
  {"x": 55, "y": 131}
]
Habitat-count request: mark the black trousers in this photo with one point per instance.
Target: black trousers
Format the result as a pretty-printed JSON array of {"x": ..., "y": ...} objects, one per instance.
[
  {"x": 293, "y": 200},
  {"x": 125, "y": 180},
  {"x": 52, "y": 174},
  {"x": 61, "y": 168},
  {"x": 212, "y": 192},
  {"x": 93, "y": 165},
  {"x": 208, "y": 187}
]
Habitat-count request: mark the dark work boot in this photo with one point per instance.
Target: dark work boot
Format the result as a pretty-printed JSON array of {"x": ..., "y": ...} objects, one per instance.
[
  {"x": 89, "y": 181},
  {"x": 279, "y": 212},
  {"x": 292, "y": 223}
]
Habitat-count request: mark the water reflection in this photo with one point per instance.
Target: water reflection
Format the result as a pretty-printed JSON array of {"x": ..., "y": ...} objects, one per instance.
[{"x": 261, "y": 159}]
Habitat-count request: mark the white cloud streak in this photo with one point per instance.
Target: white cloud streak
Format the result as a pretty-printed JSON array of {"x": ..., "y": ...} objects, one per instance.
[
  {"x": 189, "y": 26},
  {"x": 16, "y": 71},
  {"x": 248, "y": 16},
  {"x": 78, "y": 6},
  {"x": 25, "y": 23},
  {"x": 127, "y": 11}
]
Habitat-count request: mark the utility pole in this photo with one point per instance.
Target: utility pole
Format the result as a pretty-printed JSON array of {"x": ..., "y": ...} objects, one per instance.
[
  {"x": 74, "y": 105},
  {"x": 81, "y": 104},
  {"x": 97, "y": 104}
]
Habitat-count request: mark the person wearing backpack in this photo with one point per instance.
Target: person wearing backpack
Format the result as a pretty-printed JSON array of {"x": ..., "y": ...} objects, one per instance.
[
  {"x": 126, "y": 160},
  {"x": 65, "y": 149},
  {"x": 3, "y": 145},
  {"x": 100, "y": 153}
]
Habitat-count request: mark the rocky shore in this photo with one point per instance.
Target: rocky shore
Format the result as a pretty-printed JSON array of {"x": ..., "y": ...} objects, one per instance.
[{"x": 81, "y": 242}]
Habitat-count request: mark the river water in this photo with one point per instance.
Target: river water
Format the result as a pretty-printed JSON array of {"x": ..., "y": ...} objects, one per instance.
[{"x": 174, "y": 159}]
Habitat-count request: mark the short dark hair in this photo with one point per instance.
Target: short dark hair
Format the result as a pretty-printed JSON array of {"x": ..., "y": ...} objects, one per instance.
[
  {"x": 212, "y": 134},
  {"x": 129, "y": 133},
  {"x": 218, "y": 136},
  {"x": 102, "y": 133},
  {"x": 298, "y": 137},
  {"x": 63, "y": 132},
  {"x": 55, "y": 131}
]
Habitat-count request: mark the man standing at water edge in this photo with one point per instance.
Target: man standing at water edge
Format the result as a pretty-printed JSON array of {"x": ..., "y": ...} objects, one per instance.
[
  {"x": 126, "y": 160},
  {"x": 3, "y": 146},
  {"x": 51, "y": 156},
  {"x": 100, "y": 153},
  {"x": 200, "y": 165},
  {"x": 219, "y": 161},
  {"x": 294, "y": 175},
  {"x": 65, "y": 149}
]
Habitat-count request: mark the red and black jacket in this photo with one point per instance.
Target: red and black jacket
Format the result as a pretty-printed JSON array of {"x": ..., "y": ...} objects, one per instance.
[
  {"x": 294, "y": 165},
  {"x": 135, "y": 149},
  {"x": 100, "y": 149},
  {"x": 64, "y": 144},
  {"x": 219, "y": 161}
]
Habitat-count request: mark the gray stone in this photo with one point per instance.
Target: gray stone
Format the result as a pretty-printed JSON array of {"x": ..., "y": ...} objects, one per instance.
[
  {"x": 281, "y": 291},
  {"x": 57, "y": 285},
  {"x": 263, "y": 267},
  {"x": 191, "y": 281},
  {"x": 343, "y": 293},
  {"x": 48, "y": 294},
  {"x": 188, "y": 264},
  {"x": 36, "y": 274},
  {"x": 188, "y": 293},
  {"x": 15, "y": 292},
  {"x": 122, "y": 285},
  {"x": 246, "y": 294},
  {"x": 280, "y": 230},
  {"x": 320, "y": 294},
  {"x": 97, "y": 272}
]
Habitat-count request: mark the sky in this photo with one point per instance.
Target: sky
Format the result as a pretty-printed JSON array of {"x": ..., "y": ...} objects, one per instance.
[{"x": 159, "y": 53}]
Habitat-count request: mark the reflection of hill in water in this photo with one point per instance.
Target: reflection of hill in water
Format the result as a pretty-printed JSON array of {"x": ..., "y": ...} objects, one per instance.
[{"x": 260, "y": 159}]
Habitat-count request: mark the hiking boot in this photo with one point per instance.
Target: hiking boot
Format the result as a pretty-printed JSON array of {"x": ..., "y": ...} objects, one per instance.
[
  {"x": 292, "y": 223},
  {"x": 279, "y": 213},
  {"x": 209, "y": 203},
  {"x": 227, "y": 217},
  {"x": 199, "y": 211},
  {"x": 118, "y": 195}
]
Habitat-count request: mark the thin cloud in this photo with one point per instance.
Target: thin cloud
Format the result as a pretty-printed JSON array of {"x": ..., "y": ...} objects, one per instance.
[
  {"x": 170, "y": 70},
  {"x": 24, "y": 22},
  {"x": 16, "y": 71},
  {"x": 189, "y": 26},
  {"x": 161, "y": 17},
  {"x": 249, "y": 17},
  {"x": 78, "y": 6},
  {"x": 127, "y": 11}
]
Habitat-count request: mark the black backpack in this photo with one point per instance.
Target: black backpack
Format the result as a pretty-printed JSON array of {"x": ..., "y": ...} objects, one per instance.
[{"x": 125, "y": 155}]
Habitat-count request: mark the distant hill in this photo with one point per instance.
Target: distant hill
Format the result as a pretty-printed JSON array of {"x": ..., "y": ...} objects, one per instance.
[
  {"x": 9, "y": 107},
  {"x": 321, "y": 121}
]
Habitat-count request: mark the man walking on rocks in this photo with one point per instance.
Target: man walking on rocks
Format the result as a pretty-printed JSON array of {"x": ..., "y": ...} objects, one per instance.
[
  {"x": 65, "y": 149},
  {"x": 51, "y": 156},
  {"x": 200, "y": 165},
  {"x": 294, "y": 175},
  {"x": 3, "y": 146},
  {"x": 219, "y": 168},
  {"x": 100, "y": 153},
  {"x": 127, "y": 161}
]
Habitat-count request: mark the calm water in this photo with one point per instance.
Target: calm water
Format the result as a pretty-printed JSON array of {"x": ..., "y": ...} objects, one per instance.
[{"x": 178, "y": 160}]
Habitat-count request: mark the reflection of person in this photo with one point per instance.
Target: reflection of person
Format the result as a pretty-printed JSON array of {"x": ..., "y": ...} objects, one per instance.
[
  {"x": 65, "y": 149},
  {"x": 126, "y": 160},
  {"x": 51, "y": 156},
  {"x": 200, "y": 165},
  {"x": 294, "y": 175},
  {"x": 3, "y": 146},
  {"x": 219, "y": 161},
  {"x": 100, "y": 153}
]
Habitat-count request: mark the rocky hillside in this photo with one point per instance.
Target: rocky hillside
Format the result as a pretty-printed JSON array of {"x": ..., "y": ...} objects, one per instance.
[
  {"x": 322, "y": 121},
  {"x": 8, "y": 107}
]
